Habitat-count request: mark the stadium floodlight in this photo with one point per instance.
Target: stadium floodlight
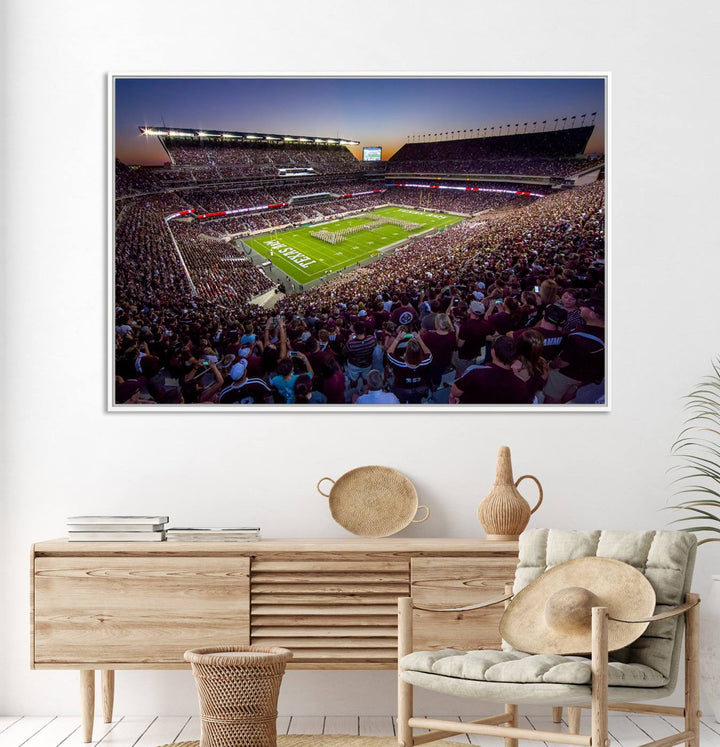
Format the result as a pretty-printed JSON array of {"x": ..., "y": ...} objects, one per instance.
[
  {"x": 252, "y": 137},
  {"x": 289, "y": 139},
  {"x": 204, "y": 134},
  {"x": 272, "y": 137},
  {"x": 175, "y": 133},
  {"x": 304, "y": 140}
]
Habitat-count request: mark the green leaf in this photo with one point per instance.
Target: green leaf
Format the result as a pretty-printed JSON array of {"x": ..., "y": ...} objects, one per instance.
[
  {"x": 701, "y": 529},
  {"x": 706, "y": 502},
  {"x": 699, "y": 511},
  {"x": 696, "y": 452}
]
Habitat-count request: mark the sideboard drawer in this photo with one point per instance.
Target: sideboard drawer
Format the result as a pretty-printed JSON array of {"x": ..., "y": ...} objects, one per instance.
[
  {"x": 458, "y": 582},
  {"x": 330, "y": 613},
  {"x": 137, "y": 610}
]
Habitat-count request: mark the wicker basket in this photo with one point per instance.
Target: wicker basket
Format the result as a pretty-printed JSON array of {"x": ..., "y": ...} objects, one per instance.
[
  {"x": 238, "y": 689},
  {"x": 373, "y": 501}
]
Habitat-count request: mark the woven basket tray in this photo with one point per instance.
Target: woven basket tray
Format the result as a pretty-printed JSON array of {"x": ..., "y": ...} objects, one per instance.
[{"x": 373, "y": 501}]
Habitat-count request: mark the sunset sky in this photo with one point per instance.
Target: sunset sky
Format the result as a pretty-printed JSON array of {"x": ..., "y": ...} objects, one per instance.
[{"x": 375, "y": 111}]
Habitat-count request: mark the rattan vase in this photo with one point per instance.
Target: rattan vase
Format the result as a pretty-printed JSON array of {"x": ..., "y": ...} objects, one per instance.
[
  {"x": 238, "y": 690},
  {"x": 504, "y": 513}
]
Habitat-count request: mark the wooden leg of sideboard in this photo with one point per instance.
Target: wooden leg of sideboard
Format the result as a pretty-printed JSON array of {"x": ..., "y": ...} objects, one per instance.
[
  {"x": 87, "y": 702},
  {"x": 108, "y": 693}
]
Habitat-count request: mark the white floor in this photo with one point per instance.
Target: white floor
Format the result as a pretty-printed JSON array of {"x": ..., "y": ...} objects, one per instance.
[{"x": 152, "y": 731}]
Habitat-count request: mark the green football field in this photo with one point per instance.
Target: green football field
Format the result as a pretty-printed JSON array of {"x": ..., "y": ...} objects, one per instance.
[{"x": 305, "y": 258}]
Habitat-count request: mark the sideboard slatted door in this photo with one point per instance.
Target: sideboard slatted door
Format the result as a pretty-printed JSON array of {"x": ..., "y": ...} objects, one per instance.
[
  {"x": 459, "y": 582},
  {"x": 333, "y": 614},
  {"x": 129, "y": 611}
]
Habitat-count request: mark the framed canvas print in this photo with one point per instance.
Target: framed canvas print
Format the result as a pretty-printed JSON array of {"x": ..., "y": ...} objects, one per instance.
[{"x": 419, "y": 242}]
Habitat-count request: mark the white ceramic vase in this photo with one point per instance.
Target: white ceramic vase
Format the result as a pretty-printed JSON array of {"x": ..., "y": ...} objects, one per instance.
[{"x": 710, "y": 647}]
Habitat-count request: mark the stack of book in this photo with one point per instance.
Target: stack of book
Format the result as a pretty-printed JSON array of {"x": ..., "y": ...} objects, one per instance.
[
  {"x": 116, "y": 528},
  {"x": 208, "y": 534}
]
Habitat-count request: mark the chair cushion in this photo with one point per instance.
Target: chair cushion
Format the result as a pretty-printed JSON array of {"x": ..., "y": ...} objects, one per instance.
[
  {"x": 521, "y": 668},
  {"x": 666, "y": 558}
]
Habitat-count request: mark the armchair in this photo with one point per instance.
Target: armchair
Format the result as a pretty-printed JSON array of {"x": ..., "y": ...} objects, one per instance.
[{"x": 621, "y": 680}]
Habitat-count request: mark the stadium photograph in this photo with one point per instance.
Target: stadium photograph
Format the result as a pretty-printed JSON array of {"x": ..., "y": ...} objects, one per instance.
[{"x": 404, "y": 242}]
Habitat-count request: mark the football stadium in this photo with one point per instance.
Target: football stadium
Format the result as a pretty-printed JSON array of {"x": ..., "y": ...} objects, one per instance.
[{"x": 265, "y": 268}]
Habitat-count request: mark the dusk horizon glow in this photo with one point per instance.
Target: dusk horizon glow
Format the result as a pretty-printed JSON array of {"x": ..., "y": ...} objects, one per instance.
[{"x": 385, "y": 112}]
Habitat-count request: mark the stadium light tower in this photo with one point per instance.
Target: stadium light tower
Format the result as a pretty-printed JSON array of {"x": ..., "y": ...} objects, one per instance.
[
  {"x": 582, "y": 120},
  {"x": 544, "y": 123},
  {"x": 593, "y": 118},
  {"x": 572, "y": 121},
  {"x": 556, "y": 121}
]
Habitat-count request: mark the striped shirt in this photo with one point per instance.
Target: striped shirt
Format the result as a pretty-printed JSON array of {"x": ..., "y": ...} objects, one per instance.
[
  {"x": 410, "y": 377},
  {"x": 360, "y": 352}
]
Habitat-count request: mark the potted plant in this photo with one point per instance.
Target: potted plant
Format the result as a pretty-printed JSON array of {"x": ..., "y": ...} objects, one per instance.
[{"x": 697, "y": 449}]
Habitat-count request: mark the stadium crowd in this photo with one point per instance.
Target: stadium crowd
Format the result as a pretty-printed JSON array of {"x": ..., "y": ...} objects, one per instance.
[
  {"x": 551, "y": 153},
  {"x": 227, "y": 159},
  {"x": 216, "y": 269},
  {"x": 503, "y": 310},
  {"x": 147, "y": 267},
  {"x": 559, "y": 167}
]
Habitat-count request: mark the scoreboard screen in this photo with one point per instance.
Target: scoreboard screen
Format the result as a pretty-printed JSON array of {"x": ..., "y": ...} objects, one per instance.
[{"x": 372, "y": 154}]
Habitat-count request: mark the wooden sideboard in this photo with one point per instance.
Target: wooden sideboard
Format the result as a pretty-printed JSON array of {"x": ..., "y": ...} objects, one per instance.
[{"x": 333, "y": 602}]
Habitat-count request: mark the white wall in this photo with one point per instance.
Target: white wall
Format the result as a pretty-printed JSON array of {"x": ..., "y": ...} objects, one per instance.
[{"x": 66, "y": 455}]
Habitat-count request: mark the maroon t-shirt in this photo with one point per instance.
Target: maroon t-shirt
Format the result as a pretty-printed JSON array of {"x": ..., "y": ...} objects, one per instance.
[
  {"x": 336, "y": 343},
  {"x": 502, "y": 322},
  {"x": 334, "y": 388},
  {"x": 552, "y": 341},
  {"x": 441, "y": 347},
  {"x": 584, "y": 350},
  {"x": 380, "y": 318},
  {"x": 534, "y": 384},
  {"x": 405, "y": 315},
  {"x": 474, "y": 332},
  {"x": 255, "y": 367},
  {"x": 367, "y": 320},
  {"x": 252, "y": 391},
  {"x": 317, "y": 358},
  {"x": 492, "y": 385}
]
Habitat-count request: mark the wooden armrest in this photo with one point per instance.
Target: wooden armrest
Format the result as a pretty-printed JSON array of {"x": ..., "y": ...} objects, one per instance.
[
  {"x": 684, "y": 607},
  {"x": 489, "y": 603}
]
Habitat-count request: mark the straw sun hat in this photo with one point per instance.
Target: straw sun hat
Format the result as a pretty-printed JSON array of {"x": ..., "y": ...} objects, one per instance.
[{"x": 552, "y": 614}]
